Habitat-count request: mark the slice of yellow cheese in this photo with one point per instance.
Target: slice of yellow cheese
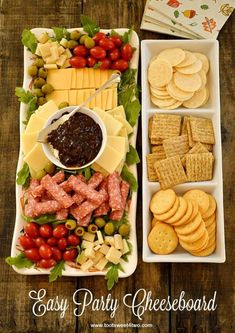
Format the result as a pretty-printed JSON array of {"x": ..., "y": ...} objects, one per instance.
[
  {"x": 80, "y": 96},
  {"x": 72, "y": 97},
  {"x": 109, "y": 101},
  {"x": 74, "y": 79},
  {"x": 35, "y": 123},
  {"x": 86, "y": 83},
  {"x": 36, "y": 159},
  {"x": 110, "y": 159},
  {"x": 79, "y": 78},
  {"x": 97, "y": 78},
  {"x": 104, "y": 97},
  {"x": 115, "y": 98},
  {"x": 98, "y": 101},
  {"x": 91, "y": 74},
  {"x": 60, "y": 79},
  {"x": 28, "y": 140},
  {"x": 47, "y": 109},
  {"x": 59, "y": 96}
]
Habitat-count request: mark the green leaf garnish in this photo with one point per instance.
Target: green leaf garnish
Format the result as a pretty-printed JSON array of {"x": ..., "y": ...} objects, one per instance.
[
  {"x": 89, "y": 26},
  {"x": 27, "y": 98},
  {"x": 19, "y": 261},
  {"x": 43, "y": 219},
  {"x": 130, "y": 178},
  {"x": 133, "y": 111},
  {"x": 127, "y": 36},
  {"x": 57, "y": 271},
  {"x": 61, "y": 33},
  {"x": 97, "y": 65},
  {"x": 23, "y": 176},
  {"x": 112, "y": 274},
  {"x": 132, "y": 156},
  {"x": 114, "y": 33},
  {"x": 29, "y": 40}
]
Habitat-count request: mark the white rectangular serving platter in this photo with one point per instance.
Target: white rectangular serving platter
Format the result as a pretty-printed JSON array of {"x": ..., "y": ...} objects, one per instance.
[
  {"x": 130, "y": 266},
  {"x": 210, "y": 48}
]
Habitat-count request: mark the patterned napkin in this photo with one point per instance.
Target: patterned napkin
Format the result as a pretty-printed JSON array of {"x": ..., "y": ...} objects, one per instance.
[{"x": 195, "y": 19}]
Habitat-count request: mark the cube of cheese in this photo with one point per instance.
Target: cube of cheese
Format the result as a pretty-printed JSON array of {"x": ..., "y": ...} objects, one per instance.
[
  {"x": 64, "y": 42},
  {"x": 50, "y": 66},
  {"x": 100, "y": 237},
  {"x": 60, "y": 62},
  {"x": 109, "y": 240},
  {"x": 67, "y": 53},
  {"x": 89, "y": 236},
  {"x": 36, "y": 159},
  {"x": 81, "y": 258},
  {"x": 98, "y": 256},
  {"x": 66, "y": 64},
  {"x": 89, "y": 252},
  {"x": 45, "y": 50},
  {"x": 113, "y": 255},
  {"x": 101, "y": 264},
  {"x": 125, "y": 247},
  {"x": 62, "y": 50},
  {"x": 87, "y": 265},
  {"x": 54, "y": 52},
  {"x": 86, "y": 244},
  {"x": 37, "y": 52},
  {"x": 97, "y": 247},
  {"x": 118, "y": 244},
  {"x": 104, "y": 249}
]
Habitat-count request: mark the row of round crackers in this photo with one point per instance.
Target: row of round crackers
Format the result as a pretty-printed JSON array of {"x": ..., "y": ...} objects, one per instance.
[
  {"x": 178, "y": 77},
  {"x": 188, "y": 220}
]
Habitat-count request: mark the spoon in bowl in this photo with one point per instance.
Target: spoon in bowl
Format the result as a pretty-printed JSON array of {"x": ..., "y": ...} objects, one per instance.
[{"x": 43, "y": 134}]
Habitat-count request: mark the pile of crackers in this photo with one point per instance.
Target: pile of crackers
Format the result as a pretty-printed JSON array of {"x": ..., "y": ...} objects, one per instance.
[
  {"x": 188, "y": 220},
  {"x": 178, "y": 77},
  {"x": 181, "y": 149}
]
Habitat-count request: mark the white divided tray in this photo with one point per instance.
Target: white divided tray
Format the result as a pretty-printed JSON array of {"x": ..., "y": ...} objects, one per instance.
[
  {"x": 210, "y": 48},
  {"x": 130, "y": 266}
]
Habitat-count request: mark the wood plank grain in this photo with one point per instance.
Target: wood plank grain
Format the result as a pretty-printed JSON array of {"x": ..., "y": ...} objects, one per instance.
[{"x": 203, "y": 279}]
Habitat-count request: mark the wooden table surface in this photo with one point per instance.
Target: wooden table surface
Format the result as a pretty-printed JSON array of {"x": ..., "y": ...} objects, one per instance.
[{"x": 162, "y": 279}]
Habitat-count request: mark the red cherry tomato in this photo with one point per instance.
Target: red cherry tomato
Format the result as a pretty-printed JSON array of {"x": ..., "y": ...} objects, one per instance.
[
  {"x": 117, "y": 40},
  {"x": 70, "y": 254},
  {"x": 52, "y": 241},
  {"x": 45, "y": 251},
  {"x": 107, "y": 44},
  {"x": 62, "y": 243},
  {"x": 33, "y": 254},
  {"x": 32, "y": 229},
  {"x": 127, "y": 52},
  {"x": 26, "y": 242},
  {"x": 60, "y": 231},
  {"x": 45, "y": 230},
  {"x": 91, "y": 61},
  {"x": 98, "y": 52},
  {"x": 98, "y": 36},
  {"x": 80, "y": 50},
  {"x": 77, "y": 62},
  {"x": 120, "y": 65},
  {"x": 39, "y": 241},
  {"x": 114, "y": 55},
  {"x": 46, "y": 263},
  {"x": 73, "y": 240},
  {"x": 57, "y": 254},
  {"x": 105, "y": 63}
]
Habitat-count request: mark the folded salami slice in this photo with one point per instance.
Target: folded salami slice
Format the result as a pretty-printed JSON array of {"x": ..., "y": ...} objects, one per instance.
[
  {"x": 85, "y": 221},
  {"x": 62, "y": 214},
  {"x": 39, "y": 190},
  {"x": 46, "y": 207},
  {"x": 57, "y": 192},
  {"x": 29, "y": 207},
  {"x": 83, "y": 189},
  {"x": 102, "y": 210},
  {"x": 118, "y": 214},
  {"x": 114, "y": 191}
]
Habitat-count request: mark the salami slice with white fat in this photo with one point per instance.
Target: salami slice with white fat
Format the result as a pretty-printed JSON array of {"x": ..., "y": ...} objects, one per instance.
[
  {"x": 62, "y": 214},
  {"x": 39, "y": 190},
  {"x": 114, "y": 191},
  {"x": 102, "y": 210},
  {"x": 117, "y": 215}
]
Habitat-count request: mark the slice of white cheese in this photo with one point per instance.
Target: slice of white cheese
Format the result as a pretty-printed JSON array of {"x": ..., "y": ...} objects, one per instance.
[
  {"x": 47, "y": 110},
  {"x": 118, "y": 111},
  {"x": 110, "y": 159},
  {"x": 36, "y": 159},
  {"x": 125, "y": 123},
  {"x": 113, "y": 255},
  {"x": 118, "y": 143},
  {"x": 123, "y": 133},
  {"x": 28, "y": 141},
  {"x": 35, "y": 123},
  {"x": 113, "y": 126}
]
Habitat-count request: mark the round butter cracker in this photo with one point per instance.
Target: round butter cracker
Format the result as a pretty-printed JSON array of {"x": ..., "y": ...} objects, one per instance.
[
  {"x": 199, "y": 98},
  {"x": 159, "y": 73},
  {"x": 186, "y": 216},
  {"x": 200, "y": 197},
  {"x": 189, "y": 59},
  {"x": 169, "y": 213},
  {"x": 177, "y": 93},
  {"x": 190, "y": 227},
  {"x": 162, "y": 239},
  {"x": 183, "y": 205},
  {"x": 187, "y": 82},
  {"x": 204, "y": 60},
  {"x": 162, "y": 201},
  {"x": 174, "y": 55},
  {"x": 191, "y": 69},
  {"x": 211, "y": 209}
]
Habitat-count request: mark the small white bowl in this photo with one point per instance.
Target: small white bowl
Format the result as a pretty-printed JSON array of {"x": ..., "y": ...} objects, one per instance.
[{"x": 48, "y": 149}]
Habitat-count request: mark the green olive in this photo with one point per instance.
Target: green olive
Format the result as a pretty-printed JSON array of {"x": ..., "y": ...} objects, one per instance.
[
  {"x": 32, "y": 70},
  {"x": 40, "y": 174},
  {"x": 39, "y": 82},
  {"x": 75, "y": 35},
  {"x": 63, "y": 105},
  {"x": 41, "y": 101},
  {"x": 39, "y": 62},
  {"x": 42, "y": 72},
  {"x": 124, "y": 230},
  {"x": 49, "y": 168},
  {"x": 71, "y": 44},
  {"x": 37, "y": 92},
  {"x": 47, "y": 88},
  {"x": 100, "y": 222},
  {"x": 109, "y": 228},
  {"x": 70, "y": 224},
  {"x": 82, "y": 39},
  {"x": 89, "y": 42},
  {"x": 92, "y": 228},
  {"x": 79, "y": 231}
]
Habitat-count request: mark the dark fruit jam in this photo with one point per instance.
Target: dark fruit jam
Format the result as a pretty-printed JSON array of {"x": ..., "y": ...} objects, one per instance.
[{"x": 78, "y": 140}]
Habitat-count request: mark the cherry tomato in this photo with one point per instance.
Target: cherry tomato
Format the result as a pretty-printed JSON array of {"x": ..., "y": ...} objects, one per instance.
[
  {"x": 117, "y": 40},
  {"x": 127, "y": 52},
  {"x": 45, "y": 251},
  {"x": 46, "y": 263},
  {"x": 60, "y": 231},
  {"x": 107, "y": 44},
  {"x": 33, "y": 254},
  {"x": 120, "y": 65},
  {"x": 98, "y": 36},
  {"x": 77, "y": 62},
  {"x": 62, "y": 243},
  {"x": 105, "y": 63},
  {"x": 57, "y": 254},
  {"x": 98, "y": 52},
  {"x": 73, "y": 240},
  {"x": 32, "y": 229},
  {"x": 91, "y": 61},
  {"x": 52, "y": 241},
  {"x": 39, "y": 241},
  {"x": 80, "y": 50},
  {"x": 70, "y": 254},
  {"x": 114, "y": 55},
  {"x": 45, "y": 230},
  {"x": 26, "y": 242}
]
